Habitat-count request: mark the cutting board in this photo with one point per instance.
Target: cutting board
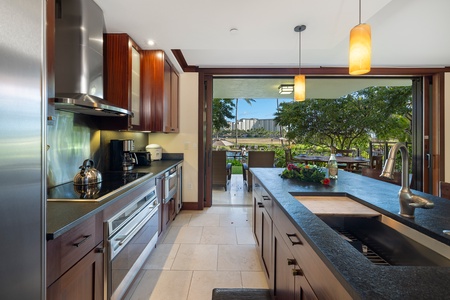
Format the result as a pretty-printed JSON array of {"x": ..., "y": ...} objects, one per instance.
[{"x": 336, "y": 205}]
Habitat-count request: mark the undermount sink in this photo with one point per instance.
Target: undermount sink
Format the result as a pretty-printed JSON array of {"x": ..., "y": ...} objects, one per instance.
[{"x": 381, "y": 239}]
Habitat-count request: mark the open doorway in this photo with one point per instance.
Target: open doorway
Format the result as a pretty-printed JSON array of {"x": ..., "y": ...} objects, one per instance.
[{"x": 229, "y": 87}]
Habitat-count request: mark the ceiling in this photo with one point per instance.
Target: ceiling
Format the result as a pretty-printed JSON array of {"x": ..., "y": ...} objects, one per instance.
[
  {"x": 317, "y": 88},
  {"x": 405, "y": 33}
]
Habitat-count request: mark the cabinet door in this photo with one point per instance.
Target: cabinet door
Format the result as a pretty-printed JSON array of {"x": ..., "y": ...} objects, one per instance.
[
  {"x": 152, "y": 83},
  {"x": 257, "y": 218},
  {"x": 303, "y": 291},
  {"x": 284, "y": 282},
  {"x": 266, "y": 242},
  {"x": 170, "y": 118},
  {"x": 122, "y": 65},
  {"x": 174, "y": 102},
  {"x": 136, "y": 88},
  {"x": 83, "y": 281}
]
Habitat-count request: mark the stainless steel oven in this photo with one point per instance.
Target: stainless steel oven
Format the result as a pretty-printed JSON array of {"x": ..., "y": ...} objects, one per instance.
[{"x": 131, "y": 235}]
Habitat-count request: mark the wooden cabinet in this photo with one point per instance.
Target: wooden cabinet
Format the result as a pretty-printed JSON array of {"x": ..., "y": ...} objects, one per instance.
[
  {"x": 262, "y": 227},
  {"x": 293, "y": 268},
  {"x": 315, "y": 273},
  {"x": 290, "y": 281},
  {"x": 122, "y": 72},
  {"x": 171, "y": 99},
  {"x": 160, "y": 85},
  {"x": 83, "y": 281},
  {"x": 75, "y": 262}
]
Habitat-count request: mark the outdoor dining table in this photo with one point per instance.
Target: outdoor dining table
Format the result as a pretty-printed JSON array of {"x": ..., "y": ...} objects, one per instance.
[{"x": 349, "y": 161}]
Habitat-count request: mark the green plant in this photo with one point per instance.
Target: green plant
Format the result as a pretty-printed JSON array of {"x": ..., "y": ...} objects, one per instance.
[{"x": 302, "y": 172}]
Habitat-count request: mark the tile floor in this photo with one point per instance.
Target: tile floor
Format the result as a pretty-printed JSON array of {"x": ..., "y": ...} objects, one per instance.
[{"x": 202, "y": 250}]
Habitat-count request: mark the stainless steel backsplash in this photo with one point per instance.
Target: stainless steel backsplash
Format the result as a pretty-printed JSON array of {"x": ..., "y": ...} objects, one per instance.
[{"x": 73, "y": 138}]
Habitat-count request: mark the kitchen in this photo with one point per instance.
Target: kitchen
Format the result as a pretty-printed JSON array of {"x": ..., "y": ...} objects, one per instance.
[{"x": 25, "y": 158}]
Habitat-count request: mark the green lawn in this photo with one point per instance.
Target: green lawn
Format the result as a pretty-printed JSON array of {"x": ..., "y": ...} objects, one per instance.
[{"x": 236, "y": 169}]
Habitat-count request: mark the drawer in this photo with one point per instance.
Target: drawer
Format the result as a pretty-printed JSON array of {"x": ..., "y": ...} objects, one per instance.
[
  {"x": 267, "y": 202},
  {"x": 66, "y": 250}
]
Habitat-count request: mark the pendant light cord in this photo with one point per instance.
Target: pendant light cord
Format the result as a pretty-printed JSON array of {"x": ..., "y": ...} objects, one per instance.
[
  {"x": 299, "y": 52},
  {"x": 359, "y": 11}
]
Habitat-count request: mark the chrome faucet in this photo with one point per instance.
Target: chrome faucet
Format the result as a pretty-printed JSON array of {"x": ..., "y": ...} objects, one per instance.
[{"x": 408, "y": 200}]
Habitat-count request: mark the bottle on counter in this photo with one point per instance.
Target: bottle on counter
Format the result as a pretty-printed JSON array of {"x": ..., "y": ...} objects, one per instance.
[{"x": 332, "y": 165}]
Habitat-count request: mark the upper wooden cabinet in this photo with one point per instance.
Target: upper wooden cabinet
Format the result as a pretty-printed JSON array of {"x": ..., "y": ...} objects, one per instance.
[
  {"x": 160, "y": 100},
  {"x": 122, "y": 72}
]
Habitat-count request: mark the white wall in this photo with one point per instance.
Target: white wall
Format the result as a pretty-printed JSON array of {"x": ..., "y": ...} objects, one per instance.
[
  {"x": 447, "y": 127},
  {"x": 186, "y": 140}
]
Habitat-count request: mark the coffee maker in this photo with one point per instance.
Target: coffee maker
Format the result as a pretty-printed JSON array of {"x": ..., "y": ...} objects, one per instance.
[{"x": 122, "y": 157}]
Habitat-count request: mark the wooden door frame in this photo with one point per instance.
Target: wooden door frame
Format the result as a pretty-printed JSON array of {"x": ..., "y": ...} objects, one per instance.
[{"x": 205, "y": 102}]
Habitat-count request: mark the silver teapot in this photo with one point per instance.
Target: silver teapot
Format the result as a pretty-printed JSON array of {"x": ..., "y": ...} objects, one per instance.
[{"x": 88, "y": 175}]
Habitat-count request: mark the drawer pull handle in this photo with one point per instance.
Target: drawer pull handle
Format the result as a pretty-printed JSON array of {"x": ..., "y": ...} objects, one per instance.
[
  {"x": 291, "y": 261},
  {"x": 267, "y": 198},
  {"x": 85, "y": 238},
  {"x": 297, "y": 272},
  {"x": 260, "y": 204},
  {"x": 297, "y": 242}
]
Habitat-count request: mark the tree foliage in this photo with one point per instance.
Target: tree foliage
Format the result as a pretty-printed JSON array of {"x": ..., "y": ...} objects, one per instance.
[
  {"x": 222, "y": 109},
  {"x": 350, "y": 120}
]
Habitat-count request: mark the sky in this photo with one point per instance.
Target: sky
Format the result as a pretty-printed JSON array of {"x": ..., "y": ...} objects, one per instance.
[{"x": 260, "y": 109}]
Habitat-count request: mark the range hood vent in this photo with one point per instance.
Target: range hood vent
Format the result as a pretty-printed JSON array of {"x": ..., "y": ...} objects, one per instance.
[
  {"x": 79, "y": 28},
  {"x": 88, "y": 105}
]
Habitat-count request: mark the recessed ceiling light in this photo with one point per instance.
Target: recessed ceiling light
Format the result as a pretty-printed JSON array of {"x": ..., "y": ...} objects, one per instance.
[
  {"x": 234, "y": 30},
  {"x": 151, "y": 42}
]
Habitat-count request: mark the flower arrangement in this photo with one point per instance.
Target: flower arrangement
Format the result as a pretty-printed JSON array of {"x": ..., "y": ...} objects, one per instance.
[{"x": 308, "y": 173}]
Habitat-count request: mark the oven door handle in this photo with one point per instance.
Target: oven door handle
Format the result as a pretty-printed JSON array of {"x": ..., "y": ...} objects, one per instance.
[
  {"x": 130, "y": 234},
  {"x": 172, "y": 175}
]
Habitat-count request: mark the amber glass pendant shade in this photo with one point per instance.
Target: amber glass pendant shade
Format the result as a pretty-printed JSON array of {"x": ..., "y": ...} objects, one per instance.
[
  {"x": 360, "y": 49},
  {"x": 299, "y": 88}
]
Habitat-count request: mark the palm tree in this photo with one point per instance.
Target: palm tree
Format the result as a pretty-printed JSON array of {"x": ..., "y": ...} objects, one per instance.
[{"x": 249, "y": 101}]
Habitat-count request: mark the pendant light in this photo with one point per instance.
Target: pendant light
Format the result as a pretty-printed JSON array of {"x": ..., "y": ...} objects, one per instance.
[
  {"x": 360, "y": 51},
  {"x": 299, "y": 80}
]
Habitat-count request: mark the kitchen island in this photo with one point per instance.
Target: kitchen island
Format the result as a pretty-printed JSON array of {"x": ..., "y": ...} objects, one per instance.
[{"x": 360, "y": 278}]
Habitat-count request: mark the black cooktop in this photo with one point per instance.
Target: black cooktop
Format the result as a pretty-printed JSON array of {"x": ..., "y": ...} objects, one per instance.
[{"x": 110, "y": 181}]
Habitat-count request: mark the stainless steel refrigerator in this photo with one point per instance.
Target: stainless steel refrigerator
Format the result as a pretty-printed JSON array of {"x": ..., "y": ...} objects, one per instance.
[{"x": 22, "y": 149}]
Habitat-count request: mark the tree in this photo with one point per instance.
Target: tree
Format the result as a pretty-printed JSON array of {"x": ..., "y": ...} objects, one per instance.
[
  {"x": 221, "y": 111},
  {"x": 349, "y": 120}
]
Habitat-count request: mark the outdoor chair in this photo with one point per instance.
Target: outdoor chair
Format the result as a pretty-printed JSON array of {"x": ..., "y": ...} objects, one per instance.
[
  {"x": 375, "y": 174},
  {"x": 256, "y": 159},
  {"x": 221, "y": 170},
  {"x": 376, "y": 162},
  {"x": 444, "y": 189},
  {"x": 346, "y": 152}
]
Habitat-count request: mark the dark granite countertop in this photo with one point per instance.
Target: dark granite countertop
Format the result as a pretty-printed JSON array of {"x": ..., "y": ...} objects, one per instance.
[
  {"x": 62, "y": 216},
  {"x": 361, "y": 278}
]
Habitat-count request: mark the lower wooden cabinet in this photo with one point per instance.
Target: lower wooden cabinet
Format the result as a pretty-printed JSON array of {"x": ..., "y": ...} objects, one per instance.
[
  {"x": 168, "y": 213},
  {"x": 289, "y": 279},
  {"x": 266, "y": 242},
  {"x": 262, "y": 229},
  {"x": 83, "y": 281},
  {"x": 75, "y": 262},
  {"x": 292, "y": 267}
]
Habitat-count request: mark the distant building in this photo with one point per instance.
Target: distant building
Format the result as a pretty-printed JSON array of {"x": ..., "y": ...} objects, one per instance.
[{"x": 253, "y": 123}]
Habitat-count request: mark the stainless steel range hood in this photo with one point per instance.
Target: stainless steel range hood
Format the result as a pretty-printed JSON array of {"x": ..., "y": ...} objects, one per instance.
[{"x": 79, "y": 59}]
